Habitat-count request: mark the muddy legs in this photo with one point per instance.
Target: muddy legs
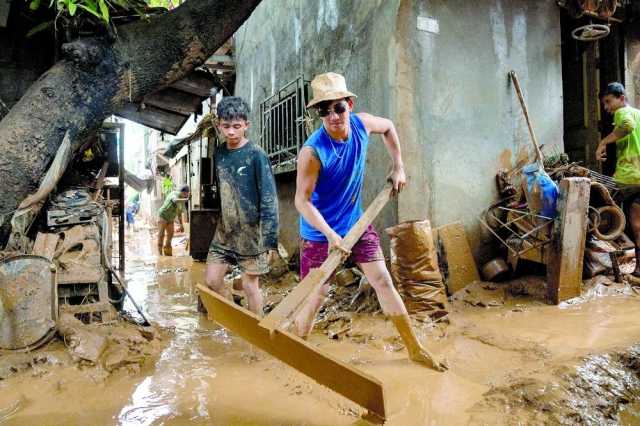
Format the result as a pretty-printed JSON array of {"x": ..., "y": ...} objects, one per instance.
[
  {"x": 417, "y": 352},
  {"x": 250, "y": 284},
  {"x": 391, "y": 303},
  {"x": 165, "y": 235},
  {"x": 251, "y": 287},
  {"x": 304, "y": 320},
  {"x": 634, "y": 222}
]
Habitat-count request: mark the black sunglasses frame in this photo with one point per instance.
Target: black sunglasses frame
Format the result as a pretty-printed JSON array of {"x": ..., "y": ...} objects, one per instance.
[{"x": 339, "y": 108}]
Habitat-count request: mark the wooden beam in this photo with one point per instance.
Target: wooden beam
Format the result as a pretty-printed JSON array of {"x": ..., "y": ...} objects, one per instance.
[
  {"x": 164, "y": 121},
  {"x": 220, "y": 58},
  {"x": 318, "y": 276},
  {"x": 564, "y": 268},
  {"x": 462, "y": 268},
  {"x": 342, "y": 378},
  {"x": 174, "y": 100},
  {"x": 197, "y": 83},
  {"x": 219, "y": 67}
]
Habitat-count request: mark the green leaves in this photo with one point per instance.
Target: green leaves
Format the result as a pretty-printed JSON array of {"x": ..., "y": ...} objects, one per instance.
[
  {"x": 104, "y": 10},
  {"x": 100, "y": 9}
]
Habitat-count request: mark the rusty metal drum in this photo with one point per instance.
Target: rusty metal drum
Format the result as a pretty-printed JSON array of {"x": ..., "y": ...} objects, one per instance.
[{"x": 27, "y": 302}]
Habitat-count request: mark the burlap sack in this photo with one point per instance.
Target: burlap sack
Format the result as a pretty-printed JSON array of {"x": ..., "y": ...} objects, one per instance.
[{"x": 414, "y": 268}]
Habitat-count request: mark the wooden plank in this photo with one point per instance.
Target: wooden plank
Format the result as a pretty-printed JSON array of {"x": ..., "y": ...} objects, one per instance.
[
  {"x": 174, "y": 100},
  {"x": 462, "y": 268},
  {"x": 100, "y": 181},
  {"x": 317, "y": 277},
  {"x": 45, "y": 245},
  {"x": 359, "y": 387},
  {"x": 564, "y": 269},
  {"x": 213, "y": 59},
  {"x": 155, "y": 118},
  {"x": 197, "y": 83}
]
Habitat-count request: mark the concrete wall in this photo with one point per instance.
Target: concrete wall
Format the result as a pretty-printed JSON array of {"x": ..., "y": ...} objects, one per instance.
[
  {"x": 445, "y": 86},
  {"x": 468, "y": 119}
]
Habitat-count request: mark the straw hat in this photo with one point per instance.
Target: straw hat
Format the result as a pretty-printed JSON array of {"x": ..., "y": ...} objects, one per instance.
[{"x": 329, "y": 87}]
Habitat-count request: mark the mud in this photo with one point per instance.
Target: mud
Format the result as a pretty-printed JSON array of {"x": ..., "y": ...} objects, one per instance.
[{"x": 518, "y": 361}]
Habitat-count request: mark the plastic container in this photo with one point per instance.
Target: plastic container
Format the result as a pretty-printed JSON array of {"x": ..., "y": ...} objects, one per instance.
[{"x": 542, "y": 191}]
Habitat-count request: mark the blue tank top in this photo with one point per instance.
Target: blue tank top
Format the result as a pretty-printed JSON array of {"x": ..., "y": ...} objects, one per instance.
[{"x": 338, "y": 192}]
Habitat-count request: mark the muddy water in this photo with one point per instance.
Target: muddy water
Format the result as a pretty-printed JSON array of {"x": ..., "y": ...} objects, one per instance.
[{"x": 204, "y": 375}]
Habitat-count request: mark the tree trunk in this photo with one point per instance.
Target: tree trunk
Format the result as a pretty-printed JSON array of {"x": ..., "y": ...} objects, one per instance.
[{"x": 94, "y": 80}]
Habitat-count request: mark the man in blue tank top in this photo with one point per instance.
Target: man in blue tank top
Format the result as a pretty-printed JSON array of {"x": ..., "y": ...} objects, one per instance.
[{"x": 330, "y": 177}]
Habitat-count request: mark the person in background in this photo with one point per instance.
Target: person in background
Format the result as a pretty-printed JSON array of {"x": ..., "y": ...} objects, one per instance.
[
  {"x": 167, "y": 185},
  {"x": 170, "y": 210},
  {"x": 133, "y": 206},
  {"x": 626, "y": 136}
]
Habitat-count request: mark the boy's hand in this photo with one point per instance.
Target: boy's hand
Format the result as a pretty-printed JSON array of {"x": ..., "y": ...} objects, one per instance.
[{"x": 273, "y": 256}]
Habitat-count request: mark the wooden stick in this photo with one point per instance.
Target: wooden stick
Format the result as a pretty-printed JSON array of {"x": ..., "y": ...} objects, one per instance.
[
  {"x": 340, "y": 377},
  {"x": 100, "y": 182},
  {"x": 525, "y": 111},
  {"x": 317, "y": 277}
]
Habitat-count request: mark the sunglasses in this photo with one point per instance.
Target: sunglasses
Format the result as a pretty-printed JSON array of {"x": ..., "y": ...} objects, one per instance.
[{"x": 338, "y": 108}]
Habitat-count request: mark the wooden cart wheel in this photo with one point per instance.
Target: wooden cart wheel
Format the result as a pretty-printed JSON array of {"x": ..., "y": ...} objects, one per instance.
[{"x": 591, "y": 32}]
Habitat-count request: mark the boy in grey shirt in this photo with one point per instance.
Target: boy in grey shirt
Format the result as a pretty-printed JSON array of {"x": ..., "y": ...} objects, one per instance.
[{"x": 248, "y": 227}]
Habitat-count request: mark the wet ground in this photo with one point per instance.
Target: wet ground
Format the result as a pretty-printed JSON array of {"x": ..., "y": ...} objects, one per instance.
[{"x": 512, "y": 361}]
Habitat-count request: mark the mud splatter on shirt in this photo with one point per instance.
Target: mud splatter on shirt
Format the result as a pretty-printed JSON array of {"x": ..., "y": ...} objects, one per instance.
[{"x": 248, "y": 201}]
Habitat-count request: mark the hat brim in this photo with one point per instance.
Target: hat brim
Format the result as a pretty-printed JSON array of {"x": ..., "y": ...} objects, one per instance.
[{"x": 330, "y": 97}]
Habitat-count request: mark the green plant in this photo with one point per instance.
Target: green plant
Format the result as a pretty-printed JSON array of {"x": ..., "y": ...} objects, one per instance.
[{"x": 99, "y": 9}]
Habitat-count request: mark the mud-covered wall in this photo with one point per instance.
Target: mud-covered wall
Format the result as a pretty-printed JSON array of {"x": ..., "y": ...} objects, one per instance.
[
  {"x": 465, "y": 112},
  {"x": 438, "y": 69}
]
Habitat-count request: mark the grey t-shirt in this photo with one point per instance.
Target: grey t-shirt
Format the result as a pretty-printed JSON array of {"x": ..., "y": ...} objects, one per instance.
[{"x": 248, "y": 201}]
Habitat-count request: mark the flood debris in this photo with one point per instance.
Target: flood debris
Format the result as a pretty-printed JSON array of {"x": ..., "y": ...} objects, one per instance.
[
  {"x": 109, "y": 346},
  {"x": 9, "y": 411},
  {"x": 591, "y": 393},
  {"x": 482, "y": 294}
]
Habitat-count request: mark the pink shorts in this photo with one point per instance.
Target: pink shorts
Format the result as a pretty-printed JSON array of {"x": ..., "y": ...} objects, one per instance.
[{"x": 314, "y": 253}]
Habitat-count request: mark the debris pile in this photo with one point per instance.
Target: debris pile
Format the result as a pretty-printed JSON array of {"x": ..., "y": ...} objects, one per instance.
[
  {"x": 594, "y": 392},
  {"x": 114, "y": 346}
]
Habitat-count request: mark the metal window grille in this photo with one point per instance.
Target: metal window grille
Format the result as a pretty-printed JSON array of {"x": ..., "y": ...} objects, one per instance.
[{"x": 282, "y": 124}]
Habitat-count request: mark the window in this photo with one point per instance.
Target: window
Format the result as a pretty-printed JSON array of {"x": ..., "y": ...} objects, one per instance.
[{"x": 283, "y": 124}]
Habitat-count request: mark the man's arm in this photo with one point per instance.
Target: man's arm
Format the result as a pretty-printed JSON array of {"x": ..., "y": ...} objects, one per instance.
[
  {"x": 179, "y": 213},
  {"x": 624, "y": 128},
  {"x": 268, "y": 203},
  {"x": 307, "y": 175},
  {"x": 385, "y": 127}
]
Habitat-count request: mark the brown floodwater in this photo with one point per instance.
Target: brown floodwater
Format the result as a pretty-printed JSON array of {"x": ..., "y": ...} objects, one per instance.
[{"x": 205, "y": 375}]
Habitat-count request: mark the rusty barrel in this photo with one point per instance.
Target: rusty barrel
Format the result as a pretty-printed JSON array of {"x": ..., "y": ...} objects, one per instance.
[{"x": 27, "y": 301}]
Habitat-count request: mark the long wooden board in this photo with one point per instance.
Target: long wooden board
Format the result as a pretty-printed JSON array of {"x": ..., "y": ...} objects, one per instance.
[
  {"x": 317, "y": 277},
  {"x": 564, "y": 269},
  {"x": 461, "y": 265},
  {"x": 342, "y": 378}
]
